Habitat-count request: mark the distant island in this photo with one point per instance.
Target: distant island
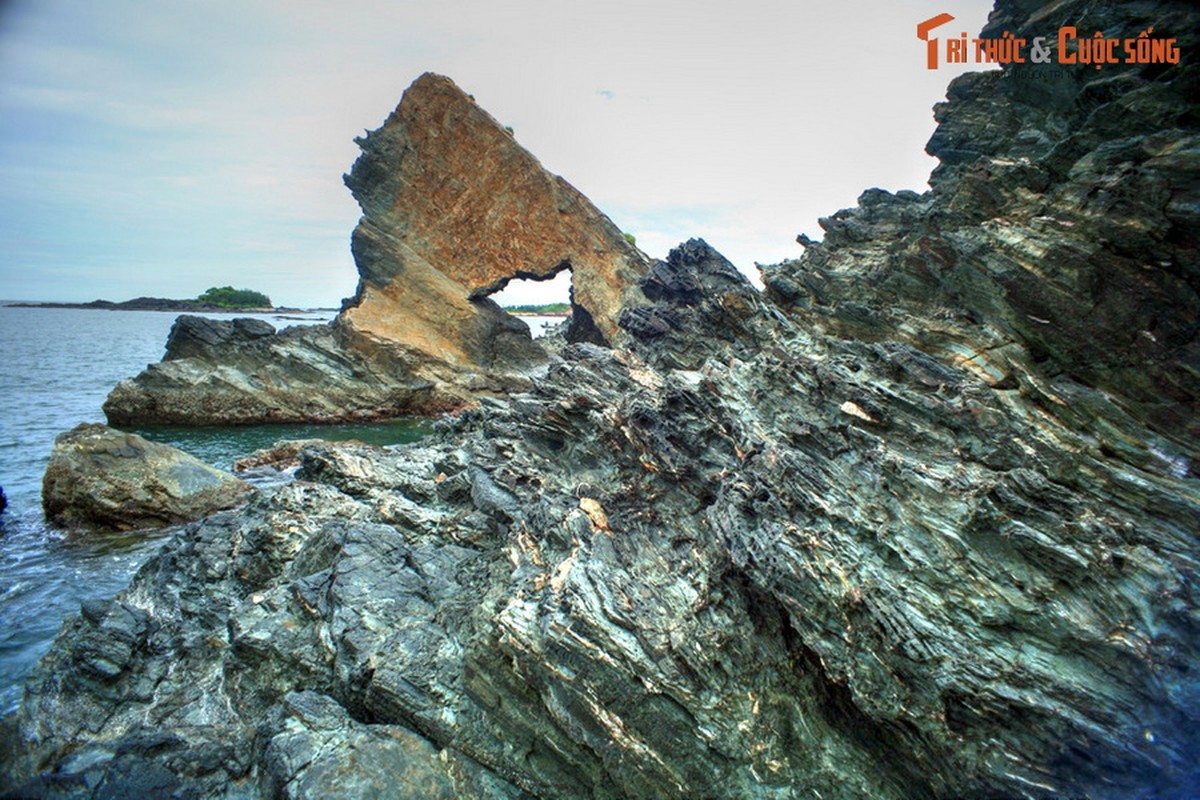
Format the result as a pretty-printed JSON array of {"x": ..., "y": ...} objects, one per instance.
[
  {"x": 545, "y": 310},
  {"x": 215, "y": 299},
  {"x": 229, "y": 297}
]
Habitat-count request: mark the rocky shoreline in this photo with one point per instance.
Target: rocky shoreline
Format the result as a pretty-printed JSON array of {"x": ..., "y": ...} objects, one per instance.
[{"x": 917, "y": 521}]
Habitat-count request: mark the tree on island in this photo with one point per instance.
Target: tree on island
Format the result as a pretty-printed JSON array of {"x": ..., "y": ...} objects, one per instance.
[
  {"x": 547, "y": 308},
  {"x": 229, "y": 297}
]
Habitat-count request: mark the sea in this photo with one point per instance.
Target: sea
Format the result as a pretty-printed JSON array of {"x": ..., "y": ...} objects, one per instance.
[{"x": 56, "y": 367}]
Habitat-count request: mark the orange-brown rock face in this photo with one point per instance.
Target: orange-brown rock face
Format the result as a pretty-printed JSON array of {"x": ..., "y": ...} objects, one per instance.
[{"x": 454, "y": 208}]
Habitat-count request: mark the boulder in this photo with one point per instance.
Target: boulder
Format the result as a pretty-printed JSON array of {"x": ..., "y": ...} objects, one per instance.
[
  {"x": 453, "y": 209},
  {"x": 99, "y": 477}
]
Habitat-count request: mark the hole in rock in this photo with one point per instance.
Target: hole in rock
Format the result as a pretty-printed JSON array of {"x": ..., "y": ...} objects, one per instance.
[{"x": 540, "y": 304}]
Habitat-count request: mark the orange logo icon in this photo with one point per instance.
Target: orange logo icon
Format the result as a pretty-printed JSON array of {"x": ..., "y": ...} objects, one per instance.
[{"x": 931, "y": 48}]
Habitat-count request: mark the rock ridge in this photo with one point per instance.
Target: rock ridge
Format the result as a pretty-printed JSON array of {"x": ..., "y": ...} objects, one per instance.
[
  {"x": 1061, "y": 224},
  {"x": 240, "y": 372}
]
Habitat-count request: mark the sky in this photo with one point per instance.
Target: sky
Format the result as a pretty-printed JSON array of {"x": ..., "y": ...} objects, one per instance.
[{"x": 159, "y": 149}]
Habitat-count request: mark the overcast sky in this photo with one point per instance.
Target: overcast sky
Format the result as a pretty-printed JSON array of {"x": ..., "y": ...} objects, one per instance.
[{"x": 161, "y": 148}]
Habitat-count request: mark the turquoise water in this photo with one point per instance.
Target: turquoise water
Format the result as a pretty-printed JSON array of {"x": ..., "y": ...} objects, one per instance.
[
  {"x": 221, "y": 446},
  {"x": 56, "y": 367}
]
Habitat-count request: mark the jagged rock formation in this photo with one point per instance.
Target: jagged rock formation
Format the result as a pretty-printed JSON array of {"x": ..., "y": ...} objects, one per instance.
[
  {"x": 243, "y": 372},
  {"x": 764, "y": 549},
  {"x": 1057, "y": 247},
  {"x": 451, "y": 201},
  {"x": 453, "y": 209},
  {"x": 98, "y": 477}
]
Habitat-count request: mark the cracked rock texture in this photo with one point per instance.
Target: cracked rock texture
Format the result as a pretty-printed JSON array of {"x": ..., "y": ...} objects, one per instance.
[
  {"x": 453, "y": 209},
  {"x": 919, "y": 521}
]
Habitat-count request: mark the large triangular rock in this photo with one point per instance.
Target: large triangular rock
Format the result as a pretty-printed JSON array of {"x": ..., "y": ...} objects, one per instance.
[{"x": 453, "y": 209}]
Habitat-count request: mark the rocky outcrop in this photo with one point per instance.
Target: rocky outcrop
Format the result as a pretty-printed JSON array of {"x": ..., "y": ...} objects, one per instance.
[
  {"x": 453, "y": 209},
  {"x": 243, "y": 372},
  {"x": 98, "y": 477},
  {"x": 1057, "y": 247},
  {"x": 757, "y": 563},
  {"x": 763, "y": 549},
  {"x": 451, "y": 201}
]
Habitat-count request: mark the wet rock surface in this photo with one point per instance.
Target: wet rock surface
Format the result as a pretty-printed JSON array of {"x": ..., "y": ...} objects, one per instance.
[
  {"x": 453, "y": 209},
  {"x": 874, "y": 533},
  {"x": 99, "y": 477}
]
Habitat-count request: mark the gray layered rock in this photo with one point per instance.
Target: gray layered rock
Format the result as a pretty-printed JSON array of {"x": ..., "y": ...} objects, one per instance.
[
  {"x": 690, "y": 568},
  {"x": 874, "y": 533},
  {"x": 1057, "y": 244},
  {"x": 98, "y": 477},
  {"x": 243, "y": 372}
]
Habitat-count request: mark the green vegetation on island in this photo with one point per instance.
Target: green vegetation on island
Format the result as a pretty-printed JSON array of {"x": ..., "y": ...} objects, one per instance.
[
  {"x": 229, "y": 297},
  {"x": 548, "y": 309}
]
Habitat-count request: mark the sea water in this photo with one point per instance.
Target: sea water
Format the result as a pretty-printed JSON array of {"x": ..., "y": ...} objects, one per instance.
[{"x": 56, "y": 368}]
